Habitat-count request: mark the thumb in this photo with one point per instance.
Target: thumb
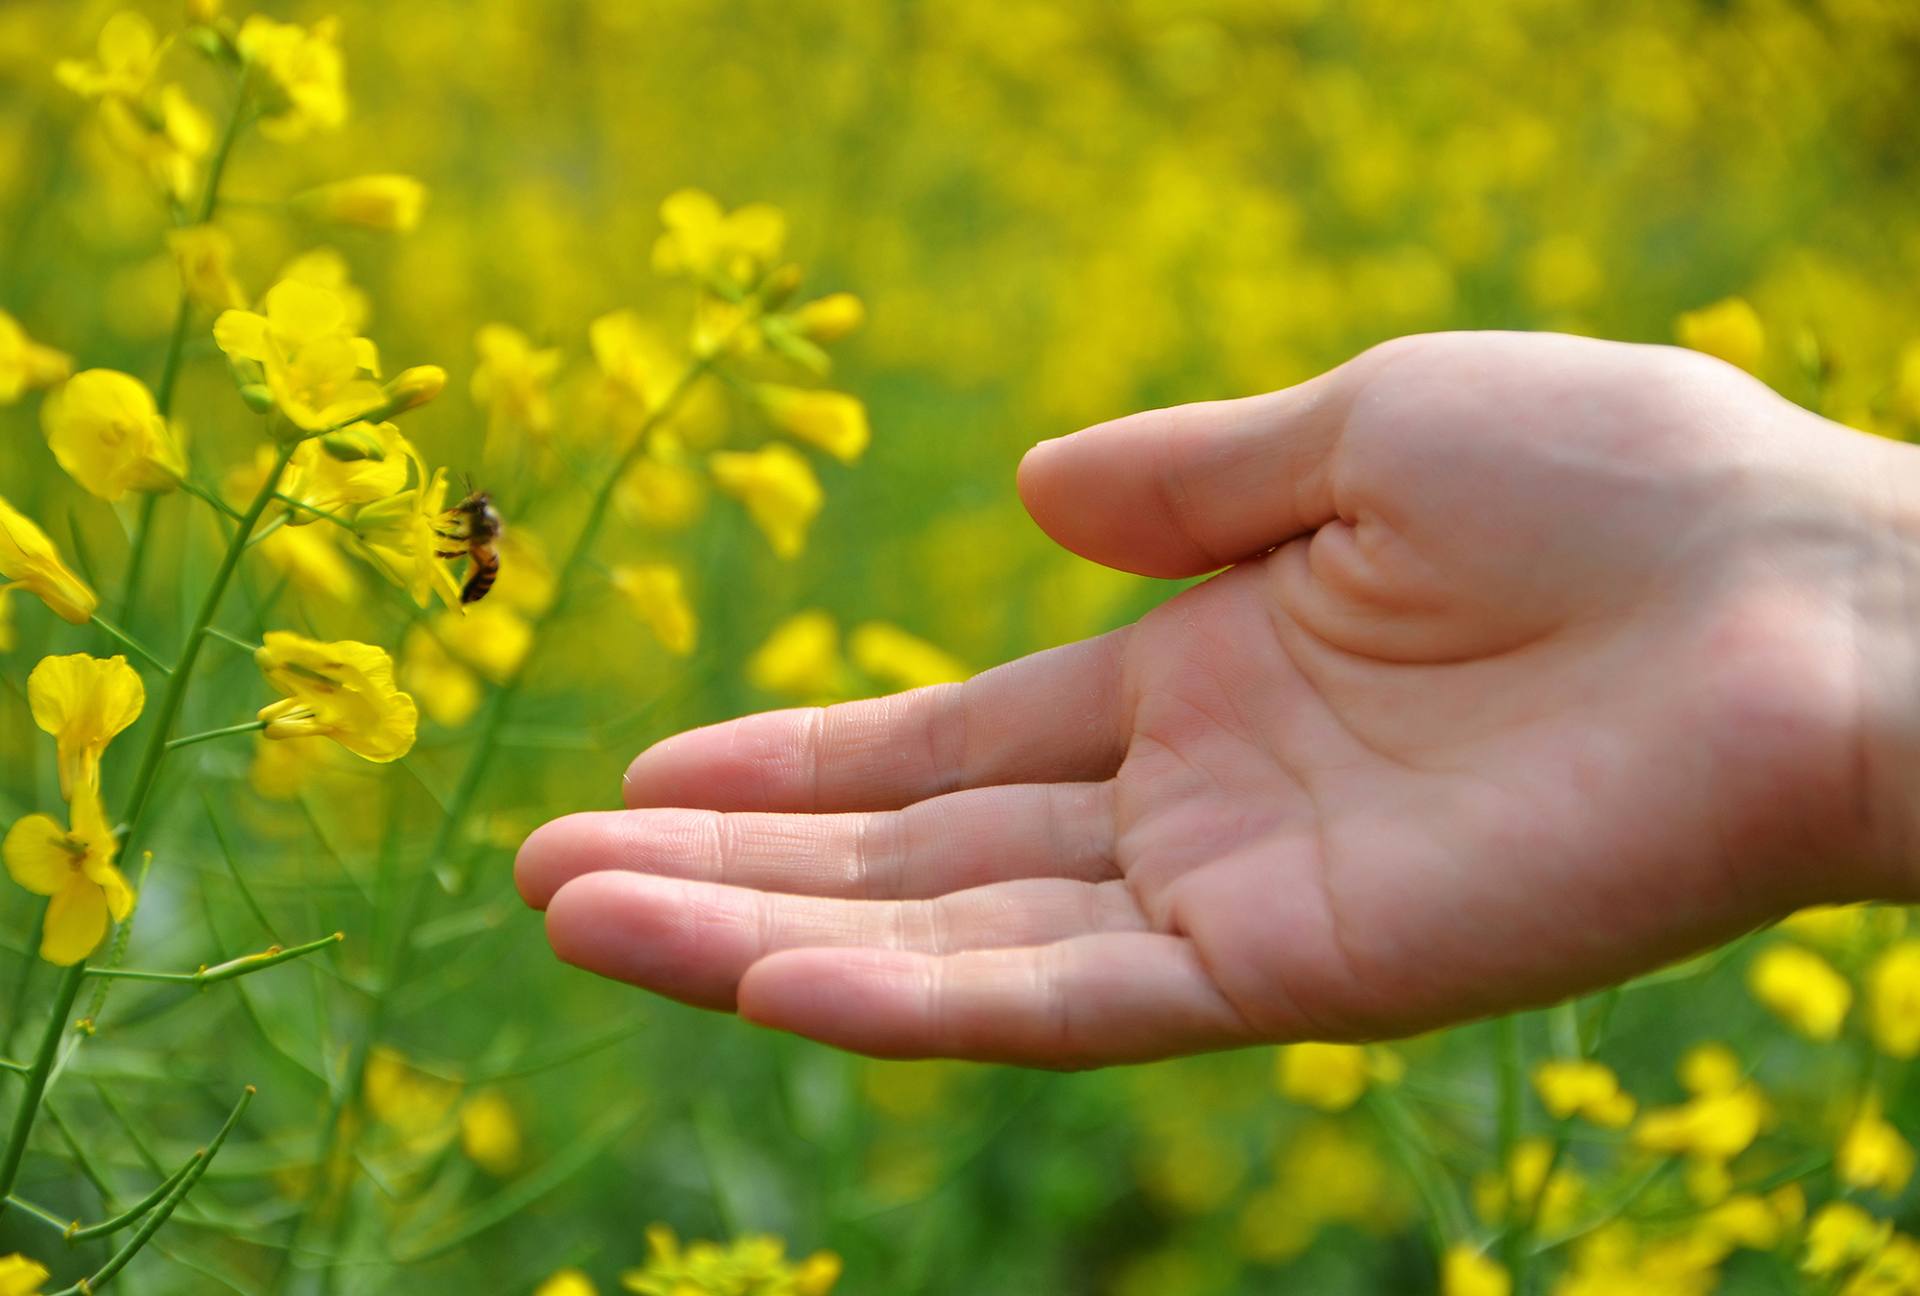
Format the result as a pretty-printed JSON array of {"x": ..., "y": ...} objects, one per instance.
[{"x": 1181, "y": 491}]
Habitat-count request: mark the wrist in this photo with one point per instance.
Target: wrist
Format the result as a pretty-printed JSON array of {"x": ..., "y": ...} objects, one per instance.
[{"x": 1886, "y": 651}]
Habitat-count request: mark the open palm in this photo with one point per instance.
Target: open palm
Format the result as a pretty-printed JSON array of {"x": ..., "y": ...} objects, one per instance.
[{"x": 1537, "y": 661}]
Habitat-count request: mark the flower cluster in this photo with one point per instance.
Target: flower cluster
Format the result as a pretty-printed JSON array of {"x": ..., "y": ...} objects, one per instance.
[{"x": 306, "y": 478}]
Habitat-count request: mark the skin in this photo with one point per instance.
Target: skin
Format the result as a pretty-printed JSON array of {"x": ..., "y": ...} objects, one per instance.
[{"x": 1535, "y": 662}]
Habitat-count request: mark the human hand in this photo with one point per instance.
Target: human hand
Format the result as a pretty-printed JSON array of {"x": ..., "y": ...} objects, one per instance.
[{"x": 1539, "y": 661}]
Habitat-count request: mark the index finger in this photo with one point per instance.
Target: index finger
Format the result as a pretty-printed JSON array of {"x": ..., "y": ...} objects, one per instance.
[{"x": 1053, "y": 717}]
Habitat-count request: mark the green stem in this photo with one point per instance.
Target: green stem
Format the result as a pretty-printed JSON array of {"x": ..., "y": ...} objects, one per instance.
[
  {"x": 234, "y": 639},
  {"x": 188, "y": 740},
  {"x": 40, "y": 1213},
  {"x": 1444, "y": 1216},
  {"x": 137, "y": 547},
  {"x": 210, "y": 196},
  {"x": 1587, "y": 1035},
  {"x": 63, "y": 997},
  {"x": 131, "y": 644},
  {"x": 177, "y": 338},
  {"x": 77, "y": 1233},
  {"x": 169, "y": 707},
  {"x": 161, "y": 1213},
  {"x": 498, "y": 703},
  {"x": 1509, "y": 1076},
  {"x": 232, "y": 968},
  {"x": 212, "y": 500},
  {"x": 293, "y": 503}
]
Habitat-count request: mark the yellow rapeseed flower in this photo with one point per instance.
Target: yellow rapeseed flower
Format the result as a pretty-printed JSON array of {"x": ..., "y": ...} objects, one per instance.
[
  {"x": 325, "y": 268},
  {"x": 1467, "y": 1271},
  {"x": 1893, "y": 1000},
  {"x": 320, "y": 374},
  {"x": 1710, "y": 1068},
  {"x": 1802, "y": 989},
  {"x": 25, "y": 365},
  {"x": 29, "y": 561},
  {"x": 828, "y": 420},
  {"x": 390, "y": 203},
  {"x": 446, "y": 689},
  {"x": 510, "y": 382},
  {"x": 73, "y": 866},
  {"x": 203, "y": 254},
  {"x": 401, "y": 1095},
  {"x": 105, "y": 430},
  {"x": 342, "y": 690},
  {"x": 636, "y": 365},
  {"x": 1747, "y": 1220},
  {"x": 661, "y": 490},
  {"x": 1841, "y": 1235},
  {"x": 1332, "y": 1077},
  {"x": 312, "y": 561},
  {"x": 490, "y": 1133},
  {"x": 901, "y": 660},
  {"x": 705, "y": 242},
  {"x": 1716, "y": 1126},
  {"x": 1729, "y": 329},
  {"x": 400, "y": 536},
  {"x": 166, "y": 137},
  {"x": 780, "y": 492},
  {"x": 441, "y": 661},
  {"x": 1829, "y": 926},
  {"x": 126, "y": 57},
  {"x": 301, "y": 81},
  {"x": 1721, "y": 1119},
  {"x": 658, "y": 595},
  {"x": 492, "y": 637},
  {"x": 319, "y": 479},
  {"x": 747, "y": 1266},
  {"x": 20, "y": 1276},
  {"x": 1575, "y": 1087},
  {"x": 83, "y": 702},
  {"x": 567, "y": 1282},
  {"x": 1872, "y": 1154},
  {"x": 1525, "y": 1191},
  {"x": 1894, "y": 1270},
  {"x": 800, "y": 659}
]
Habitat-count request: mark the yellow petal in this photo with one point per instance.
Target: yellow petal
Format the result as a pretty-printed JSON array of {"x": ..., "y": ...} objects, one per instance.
[
  {"x": 29, "y": 558},
  {"x": 20, "y": 1276},
  {"x": 84, "y": 702},
  {"x": 76, "y": 920},
  {"x": 302, "y": 312},
  {"x": 37, "y": 855},
  {"x": 242, "y": 335},
  {"x": 113, "y": 885}
]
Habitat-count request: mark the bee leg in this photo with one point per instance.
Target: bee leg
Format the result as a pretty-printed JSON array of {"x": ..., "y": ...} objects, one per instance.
[{"x": 449, "y": 553}]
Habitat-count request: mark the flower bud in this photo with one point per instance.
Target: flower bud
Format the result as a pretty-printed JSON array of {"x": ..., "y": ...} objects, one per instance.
[
  {"x": 258, "y": 397},
  {"x": 354, "y": 444},
  {"x": 391, "y": 203},
  {"x": 414, "y": 387},
  {"x": 830, "y": 318}
]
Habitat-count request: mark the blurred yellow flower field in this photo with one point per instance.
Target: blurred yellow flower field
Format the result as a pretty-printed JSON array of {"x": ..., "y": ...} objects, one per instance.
[{"x": 410, "y": 412}]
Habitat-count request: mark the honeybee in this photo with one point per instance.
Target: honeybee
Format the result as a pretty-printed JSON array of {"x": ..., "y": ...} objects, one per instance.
[{"x": 475, "y": 527}]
